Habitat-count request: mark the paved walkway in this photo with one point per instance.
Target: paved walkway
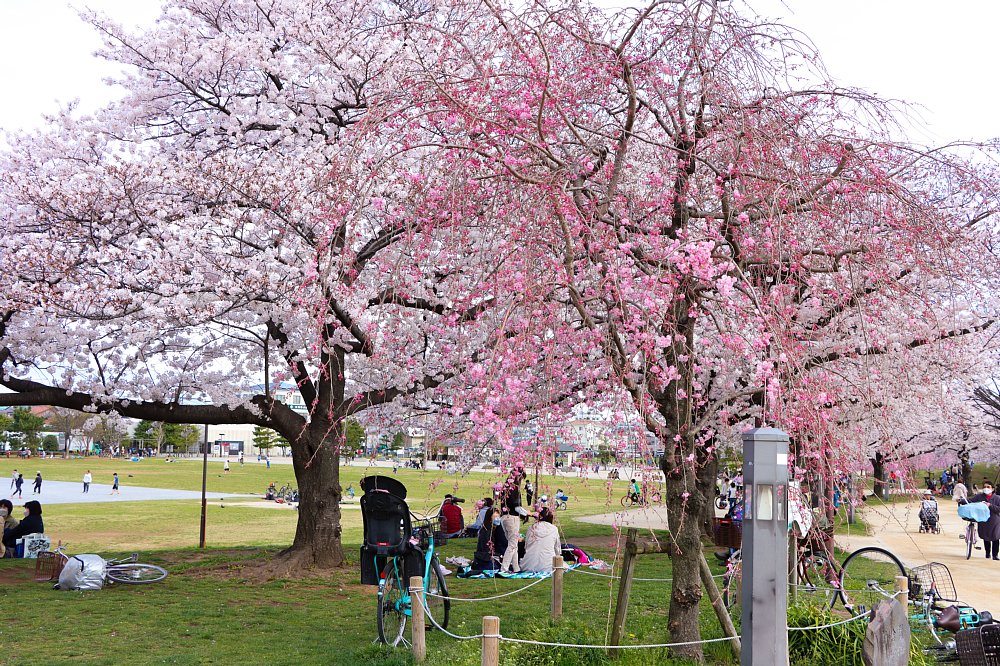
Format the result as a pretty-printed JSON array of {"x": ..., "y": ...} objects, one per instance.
[
  {"x": 67, "y": 492},
  {"x": 896, "y": 526}
]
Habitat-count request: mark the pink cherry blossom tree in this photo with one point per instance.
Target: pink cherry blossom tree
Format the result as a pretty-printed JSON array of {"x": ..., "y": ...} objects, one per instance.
[{"x": 736, "y": 237}]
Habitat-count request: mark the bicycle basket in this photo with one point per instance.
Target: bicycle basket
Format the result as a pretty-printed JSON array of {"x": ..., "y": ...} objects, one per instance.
[
  {"x": 990, "y": 635},
  {"x": 933, "y": 576},
  {"x": 727, "y": 533},
  {"x": 969, "y": 645},
  {"x": 48, "y": 566}
]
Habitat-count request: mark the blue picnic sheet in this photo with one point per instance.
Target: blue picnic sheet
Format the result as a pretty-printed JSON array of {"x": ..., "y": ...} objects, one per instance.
[
  {"x": 467, "y": 573},
  {"x": 977, "y": 511}
]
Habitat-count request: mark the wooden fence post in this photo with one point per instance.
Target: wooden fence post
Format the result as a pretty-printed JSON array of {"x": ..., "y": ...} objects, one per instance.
[
  {"x": 903, "y": 590},
  {"x": 491, "y": 641},
  {"x": 558, "y": 569},
  {"x": 725, "y": 620},
  {"x": 417, "y": 623},
  {"x": 624, "y": 590}
]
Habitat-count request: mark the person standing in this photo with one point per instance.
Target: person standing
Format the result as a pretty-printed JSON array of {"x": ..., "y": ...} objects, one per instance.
[
  {"x": 511, "y": 512},
  {"x": 18, "y": 482},
  {"x": 529, "y": 492},
  {"x": 225, "y": 466},
  {"x": 87, "y": 478},
  {"x": 989, "y": 531},
  {"x": 13, "y": 478},
  {"x": 959, "y": 493},
  {"x": 241, "y": 459},
  {"x": 114, "y": 486},
  {"x": 37, "y": 489},
  {"x": 267, "y": 461}
]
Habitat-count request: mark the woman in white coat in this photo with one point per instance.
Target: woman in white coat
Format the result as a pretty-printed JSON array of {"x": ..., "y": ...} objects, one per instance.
[{"x": 541, "y": 543}]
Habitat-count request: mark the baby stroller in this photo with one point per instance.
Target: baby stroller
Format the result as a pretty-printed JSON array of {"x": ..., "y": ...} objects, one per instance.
[{"x": 929, "y": 515}]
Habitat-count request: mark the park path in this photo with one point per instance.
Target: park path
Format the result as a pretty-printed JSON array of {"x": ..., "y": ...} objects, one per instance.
[
  {"x": 894, "y": 527},
  {"x": 71, "y": 492}
]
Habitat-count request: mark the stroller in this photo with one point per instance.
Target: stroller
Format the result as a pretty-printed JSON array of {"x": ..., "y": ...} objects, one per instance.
[{"x": 929, "y": 515}]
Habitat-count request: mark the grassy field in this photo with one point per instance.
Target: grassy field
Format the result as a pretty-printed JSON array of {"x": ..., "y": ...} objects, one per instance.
[{"x": 214, "y": 609}]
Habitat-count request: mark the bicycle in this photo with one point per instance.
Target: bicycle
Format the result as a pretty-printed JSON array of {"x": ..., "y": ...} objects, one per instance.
[
  {"x": 126, "y": 570},
  {"x": 971, "y": 536},
  {"x": 395, "y": 604},
  {"x": 632, "y": 500}
]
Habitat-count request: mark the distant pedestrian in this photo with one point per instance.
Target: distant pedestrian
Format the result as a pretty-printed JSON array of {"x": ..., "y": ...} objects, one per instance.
[
  {"x": 241, "y": 459},
  {"x": 225, "y": 467},
  {"x": 267, "y": 459},
  {"x": 13, "y": 478},
  {"x": 959, "y": 493},
  {"x": 87, "y": 478},
  {"x": 37, "y": 490},
  {"x": 18, "y": 482},
  {"x": 114, "y": 487}
]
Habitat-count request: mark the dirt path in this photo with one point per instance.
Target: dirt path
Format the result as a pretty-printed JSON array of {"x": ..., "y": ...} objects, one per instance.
[{"x": 895, "y": 527}]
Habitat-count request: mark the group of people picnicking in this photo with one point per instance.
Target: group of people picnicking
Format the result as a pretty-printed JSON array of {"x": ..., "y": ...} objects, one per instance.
[
  {"x": 500, "y": 547},
  {"x": 14, "y": 529}
]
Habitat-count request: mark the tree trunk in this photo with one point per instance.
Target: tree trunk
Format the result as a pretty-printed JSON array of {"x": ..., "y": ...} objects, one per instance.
[
  {"x": 878, "y": 475},
  {"x": 685, "y": 516},
  {"x": 318, "y": 532},
  {"x": 963, "y": 459}
]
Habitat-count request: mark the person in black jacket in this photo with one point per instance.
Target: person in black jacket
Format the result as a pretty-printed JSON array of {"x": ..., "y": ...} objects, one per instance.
[
  {"x": 492, "y": 543},
  {"x": 511, "y": 513},
  {"x": 31, "y": 524},
  {"x": 989, "y": 531}
]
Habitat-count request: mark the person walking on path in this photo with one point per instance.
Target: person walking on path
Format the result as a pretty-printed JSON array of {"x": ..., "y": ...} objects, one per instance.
[
  {"x": 13, "y": 478},
  {"x": 114, "y": 487},
  {"x": 87, "y": 478},
  {"x": 37, "y": 489},
  {"x": 18, "y": 482},
  {"x": 989, "y": 531},
  {"x": 959, "y": 492},
  {"x": 225, "y": 466}
]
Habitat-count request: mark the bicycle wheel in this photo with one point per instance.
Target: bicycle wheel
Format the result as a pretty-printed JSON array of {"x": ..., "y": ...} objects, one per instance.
[
  {"x": 391, "y": 606},
  {"x": 438, "y": 603},
  {"x": 818, "y": 576},
  {"x": 869, "y": 575},
  {"x": 970, "y": 540},
  {"x": 732, "y": 583},
  {"x": 136, "y": 574},
  {"x": 627, "y": 502}
]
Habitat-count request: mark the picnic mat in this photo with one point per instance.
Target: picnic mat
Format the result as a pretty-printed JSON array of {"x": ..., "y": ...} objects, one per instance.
[{"x": 467, "y": 572}]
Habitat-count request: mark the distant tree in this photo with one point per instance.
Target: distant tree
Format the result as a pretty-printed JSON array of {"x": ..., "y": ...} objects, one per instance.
[
  {"x": 29, "y": 425},
  {"x": 6, "y": 424},
  {"x": 398, "y": 441},
  {"x": 50, "y": 443},
  {"x": 159, "y": 435},
  {"x": 264, "y": 438},
  {"x": 354, "y": 436}
]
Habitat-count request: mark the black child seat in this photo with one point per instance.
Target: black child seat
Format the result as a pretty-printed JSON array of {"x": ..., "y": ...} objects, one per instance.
[{"x": 387, "y": 528}]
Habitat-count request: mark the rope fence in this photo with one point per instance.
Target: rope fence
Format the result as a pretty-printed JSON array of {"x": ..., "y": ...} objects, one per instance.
[
  {"x": 499, "y": 596},
  {"x": 650, "y": 580}
]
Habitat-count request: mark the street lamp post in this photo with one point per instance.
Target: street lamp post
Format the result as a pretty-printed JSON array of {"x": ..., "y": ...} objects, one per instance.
[{"x": 204, "y": 484}]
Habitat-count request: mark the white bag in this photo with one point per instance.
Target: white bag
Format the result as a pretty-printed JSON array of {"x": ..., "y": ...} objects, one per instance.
[
  {"x": 83, "y": 572},
  {"x": 34, "y": 544}
]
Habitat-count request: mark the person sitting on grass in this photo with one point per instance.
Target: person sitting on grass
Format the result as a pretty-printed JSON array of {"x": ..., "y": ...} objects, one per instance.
[
  {"x": 492, "y": 543},
  {"x": 541, "y": 543},
  {"x": 30, "y": 524},
  {"x": 7, "y": 520},
  {"x": 454, "y": 524}
]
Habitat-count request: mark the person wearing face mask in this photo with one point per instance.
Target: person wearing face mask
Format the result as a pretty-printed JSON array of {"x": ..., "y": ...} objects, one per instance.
[
  {"x": 7, "y": 521},
  {"x": 989, "y": 531},
  {"x": 492, "y": 542},
  {"x": 30, "y": 524}
]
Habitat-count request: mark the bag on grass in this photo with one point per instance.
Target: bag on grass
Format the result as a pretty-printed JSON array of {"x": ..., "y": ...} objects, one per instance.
[{"x": 83, "y": 572}]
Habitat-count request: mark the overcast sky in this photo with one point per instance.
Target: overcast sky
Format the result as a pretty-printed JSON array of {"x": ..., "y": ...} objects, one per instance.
[{"x": 937, "y": 56}]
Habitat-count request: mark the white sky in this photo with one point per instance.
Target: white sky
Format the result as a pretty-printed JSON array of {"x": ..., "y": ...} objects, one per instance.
[{"x": 935, "y": 56}]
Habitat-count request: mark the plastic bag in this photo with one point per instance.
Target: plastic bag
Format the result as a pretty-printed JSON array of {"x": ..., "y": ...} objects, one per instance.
[
  {"x": 977, "y": 511},
  {"x": 83, "y": 572}
]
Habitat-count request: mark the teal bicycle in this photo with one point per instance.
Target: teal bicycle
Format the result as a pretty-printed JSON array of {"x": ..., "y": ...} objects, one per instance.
[{"x": 395, "y": 604}]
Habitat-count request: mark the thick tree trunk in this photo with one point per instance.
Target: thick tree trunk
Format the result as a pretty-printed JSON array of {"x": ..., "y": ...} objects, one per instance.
[
  {"x": 318, "y": 532},
  {"x": 963, "y": 459},
  {"x": 878, "y": 475},
  {"x": 685, "y": 515}
]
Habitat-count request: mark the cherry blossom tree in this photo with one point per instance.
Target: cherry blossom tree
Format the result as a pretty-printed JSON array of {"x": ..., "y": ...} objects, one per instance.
[
  {"x": 737, "y": 238},
  {"x": 263, "y": 205}
]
